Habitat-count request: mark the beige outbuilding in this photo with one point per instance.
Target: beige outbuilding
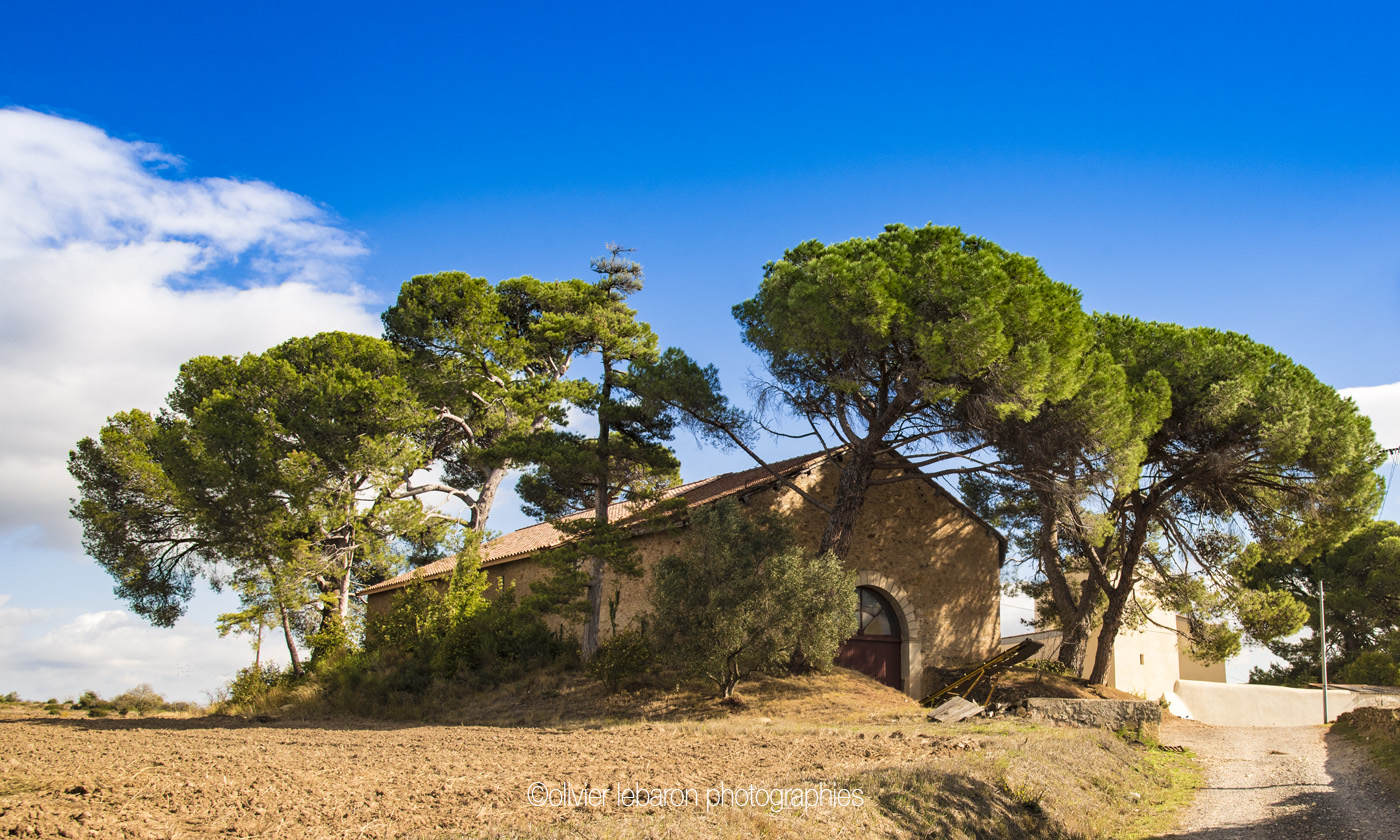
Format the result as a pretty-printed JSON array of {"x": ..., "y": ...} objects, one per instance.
[{"x": 928, "y": 569}]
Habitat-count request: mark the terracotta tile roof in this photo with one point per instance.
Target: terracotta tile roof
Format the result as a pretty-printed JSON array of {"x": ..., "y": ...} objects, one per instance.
[{"x": 528, "y": 540}]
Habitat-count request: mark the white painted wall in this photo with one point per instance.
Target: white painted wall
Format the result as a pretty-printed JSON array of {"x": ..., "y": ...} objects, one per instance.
[{"x": 1235, "y": 704}]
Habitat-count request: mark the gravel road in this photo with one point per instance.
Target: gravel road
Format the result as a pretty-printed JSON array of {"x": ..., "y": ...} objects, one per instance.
[{"x": 1283, "y": 783}]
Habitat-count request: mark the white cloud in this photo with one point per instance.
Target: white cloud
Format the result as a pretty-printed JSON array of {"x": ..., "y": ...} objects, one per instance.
[
  {"x": 113, "y": 271},
  {"x": 1381, "y": 403},
  {"x": 110, "y": 651}
]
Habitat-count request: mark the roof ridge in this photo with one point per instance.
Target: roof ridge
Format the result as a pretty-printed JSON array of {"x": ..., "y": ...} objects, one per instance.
[{"x": 519, "y": 542}]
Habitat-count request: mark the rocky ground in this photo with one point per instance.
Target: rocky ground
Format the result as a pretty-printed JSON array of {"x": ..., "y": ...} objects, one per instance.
[{"x": 1283, "y": 783}]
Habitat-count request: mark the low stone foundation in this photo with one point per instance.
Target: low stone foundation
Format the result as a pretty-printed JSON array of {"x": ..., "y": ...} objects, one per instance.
[{"x": 1141, "y": 717}]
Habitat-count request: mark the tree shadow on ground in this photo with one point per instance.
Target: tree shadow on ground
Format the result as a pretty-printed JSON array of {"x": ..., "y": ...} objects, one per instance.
[
  {"x": 932, "y": 803},
  {"x": 171, "y": 724}
]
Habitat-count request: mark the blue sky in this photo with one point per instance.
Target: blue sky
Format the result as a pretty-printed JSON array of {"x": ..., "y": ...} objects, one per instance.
[{"x": 181, "y": 179}]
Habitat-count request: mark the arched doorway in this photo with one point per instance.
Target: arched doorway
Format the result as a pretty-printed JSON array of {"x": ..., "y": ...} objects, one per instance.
[{"x": 875, "y": 649}]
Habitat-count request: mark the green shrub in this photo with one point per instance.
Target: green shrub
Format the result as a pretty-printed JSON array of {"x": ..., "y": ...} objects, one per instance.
[
  {"x": 97, "y": 713},
  {"x": 430, "y": 636},
  {"x": 253, "y": 682},
  {"x": 742, "y": 596},
  {"x": 1371, "y": 668},
  {"x": 142, "y": 699},
  {"x": 624, "y": 657},
  {"x": 93, "y": 700},
  {"x": 499, "y": 643}
]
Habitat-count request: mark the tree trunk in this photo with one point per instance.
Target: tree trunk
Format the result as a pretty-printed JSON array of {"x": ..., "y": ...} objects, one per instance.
[
  {"x": 1122, "y": 590},
  {"x": 343, "y": 596},
  {"x": 1076, "y": 614},
  {"x": 602, "y": 499},
  {"x": 1074, "y": 636},
  {"x": 291, "y": 643},
  {"x": 1112, "y": 620},
  {"x": 590, "y": 643},
  {"x": 481, "y": 508},
  {"x": 854, "y": 483}
]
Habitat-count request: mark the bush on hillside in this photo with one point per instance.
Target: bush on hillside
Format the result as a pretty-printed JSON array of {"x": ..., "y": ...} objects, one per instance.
[
  {"x": 431, "y": 635},
  {"x": 624, "y": 657},
  {"x": 92, "y": 700},
  {"x": 1370, "y": 668},
  {"x": 142, "y": 699},
  {"x": 254, "y": 682},
  {"x": 741, "y": 596}
]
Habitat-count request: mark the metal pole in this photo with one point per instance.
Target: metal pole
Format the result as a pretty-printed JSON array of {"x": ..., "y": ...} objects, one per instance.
[{"x": 1322, "y": 634}]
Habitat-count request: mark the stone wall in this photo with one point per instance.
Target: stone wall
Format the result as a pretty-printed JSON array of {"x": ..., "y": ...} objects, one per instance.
[
  {"x": 1142, "y": 717},
  {"x": 937, "y": 563}
]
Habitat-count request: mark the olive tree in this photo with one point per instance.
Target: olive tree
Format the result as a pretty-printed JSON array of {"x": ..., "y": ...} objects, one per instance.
[{"x": 741, "y": 596}]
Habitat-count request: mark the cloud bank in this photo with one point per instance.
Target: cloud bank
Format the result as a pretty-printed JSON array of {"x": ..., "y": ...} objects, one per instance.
[
  {"x": 1381, "y": 403},
  {"x": 110, "y": 651},
  {"x": 114, "y": 270}
]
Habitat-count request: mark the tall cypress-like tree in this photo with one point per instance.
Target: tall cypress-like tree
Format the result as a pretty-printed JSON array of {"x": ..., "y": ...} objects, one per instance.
[
  {"x": 634, "y": 403},
  {"x": 477, "y": 355}
]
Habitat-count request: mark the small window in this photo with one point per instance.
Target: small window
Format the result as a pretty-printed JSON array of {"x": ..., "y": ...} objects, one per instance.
[
  {"x": 876, "y": 616},
  {"x": 1142, "y": 659}
]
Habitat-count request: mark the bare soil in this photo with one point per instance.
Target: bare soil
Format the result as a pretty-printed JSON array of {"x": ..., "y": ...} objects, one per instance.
[{"x": 221, "y": 776}]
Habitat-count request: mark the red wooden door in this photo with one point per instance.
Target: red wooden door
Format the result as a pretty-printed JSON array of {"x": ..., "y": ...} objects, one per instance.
[
  {"x": 877, "y": 658},
  {"x": 875, "y": 648}
]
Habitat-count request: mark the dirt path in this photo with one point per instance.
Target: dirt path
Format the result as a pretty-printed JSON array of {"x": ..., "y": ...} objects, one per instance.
[{"x": 1283, "y": 783}]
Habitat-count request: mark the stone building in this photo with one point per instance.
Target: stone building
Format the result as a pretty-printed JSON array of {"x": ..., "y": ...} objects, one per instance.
[{"x": 928, "y": 569}]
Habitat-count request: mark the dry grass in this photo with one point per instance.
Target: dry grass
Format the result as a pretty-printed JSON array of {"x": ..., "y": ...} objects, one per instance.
[
  {"x": 562, "y": 697},
  {"x": 1379, "y": 731}
]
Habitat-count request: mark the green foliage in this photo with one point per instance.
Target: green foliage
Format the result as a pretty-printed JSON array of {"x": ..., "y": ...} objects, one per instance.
[
  {"x": 625, "y": 656},
  {"x": 1362, "y": 578},
  {"x": 142, "y": 699},
  {"x": 457, "y": 633},
  {"x": 1373, "y": 667},
  {"x": 501, "y": 643},
  {"x": 272, "y": 473},
  {"x": 1252, "y": 458},
  {"x": 1302, "y": 668},
  {"x": 741, "y": 596},
  {"x": 255, "y": 681},
  {"x": 92, "y": 700},
  {"x": 927, "y": 318},
  {"x": 917, "y": 341},
  {"x": 492, "y": 363}
]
